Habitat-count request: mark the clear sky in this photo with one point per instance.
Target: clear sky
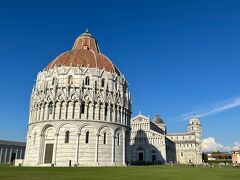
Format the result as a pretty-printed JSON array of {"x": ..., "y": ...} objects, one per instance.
[{"x": 179, "y": 57}]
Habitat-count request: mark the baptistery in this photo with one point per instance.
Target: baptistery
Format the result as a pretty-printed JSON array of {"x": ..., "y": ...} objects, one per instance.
[{"x": 80, "y": 111}]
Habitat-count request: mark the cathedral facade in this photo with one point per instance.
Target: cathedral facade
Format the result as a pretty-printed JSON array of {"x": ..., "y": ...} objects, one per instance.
[
  {"x": 147, "y": 141},
  {"x": 79, "y": 111},
  {"x": 150, "y": 142}
]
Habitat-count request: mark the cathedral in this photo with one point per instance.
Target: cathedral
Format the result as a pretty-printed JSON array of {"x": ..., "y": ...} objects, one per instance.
[
  {"x": 80, "y": 115},
  {"x": 150, "y": 142}
]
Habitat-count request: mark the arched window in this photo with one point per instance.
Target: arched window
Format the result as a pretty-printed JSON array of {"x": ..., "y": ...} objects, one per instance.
[
  {"x": 50, "y": 108},
  {"x": 87, "y": 81},
  {"x": 103, "y": 83},
  {"x": 118, "y": 139},
  {"x": 67, "y": 137},
  {"x": 70, "y": 80},
  {"x": 106, "y": 110},
  {"x": 82, "y": 108},
  {"x": 87, "y": 137},
  {"x": 181, "y": 154},
  {"x": 54, "y": 81},
  {"x": 104, "y": 138}
]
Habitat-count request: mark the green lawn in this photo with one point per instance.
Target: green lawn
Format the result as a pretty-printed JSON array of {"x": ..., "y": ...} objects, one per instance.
[{"x": 112, "y": 173}]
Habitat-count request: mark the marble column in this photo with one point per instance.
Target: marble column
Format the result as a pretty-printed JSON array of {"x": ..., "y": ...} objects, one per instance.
[
  {"x": 103, "y": 112},
  {"x": 121, "y": 112},
  {"x": 27, "y": 149},
  {"x": 97, "y": 112},
  {"x": 96, "y": 152},
  {"x": 54, "y": 110},
  {"x": 66, "y": 110},
  {"x": 124, "y": 116},
  {"x": 1, "y": 153},
  {"x": 114, "y": 113},
  {"x": 17, "y": 153},
  {"x": 86, "y": 111},
  {"x": 10, "y": 156},
  {"x": 77, "y": 110},
  {"x": 40, "y": 149},
  {"x": 124, "y": 148},
  {"x": 21, "y": 154},
  {"x": 73, "y": 109},
  {"x": 60, "y": 110},
  {"x": 47, "y": 112},
  {"x": 77, "y": 148},
  {"x": 93, "y": 111},
  {"x": 36, "y": 113},
  {"x": 109, "y": 113},
  {"x": 55, "y": 149},
  {"x": 118, "y": 115},
  {"x": 39, "y": 113},
  {"x": 43, "y": 112},
  {"x": 100, "y": 112},
  {"x": 5, "y": 156},
  {"x": 113, "y": 149},
  {"x": 90, "y": 108}
]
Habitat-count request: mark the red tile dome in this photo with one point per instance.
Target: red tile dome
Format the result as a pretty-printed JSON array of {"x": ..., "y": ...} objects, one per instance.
[{"x": 85, "y": 53}]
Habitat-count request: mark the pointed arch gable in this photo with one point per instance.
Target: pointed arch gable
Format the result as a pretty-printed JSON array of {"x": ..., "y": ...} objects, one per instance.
[
  {"x": 87, "y": 96},
  {"x": 99, "y": 98},
  {"x": 109, "y": 99}
]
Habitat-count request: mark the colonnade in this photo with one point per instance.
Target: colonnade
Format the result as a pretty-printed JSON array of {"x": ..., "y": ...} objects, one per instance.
[
  {"x": 80, "y": 110},
  {"x": 6, "y": 153}
]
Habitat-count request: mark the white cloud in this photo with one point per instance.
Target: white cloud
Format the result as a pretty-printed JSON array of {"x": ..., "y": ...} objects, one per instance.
[
  {"x": 214, "y": 109},
  {"x": 236, "y": 146},
  {"x": 209, "y": 144}
]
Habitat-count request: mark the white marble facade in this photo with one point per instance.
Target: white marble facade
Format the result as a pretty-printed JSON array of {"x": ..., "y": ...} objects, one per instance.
[
  {"x": 79, "y": 115},
  {"x": 150, "y": 143},
  {"x": 188, "y": 144},
  {"x": 147, "y": 141}
]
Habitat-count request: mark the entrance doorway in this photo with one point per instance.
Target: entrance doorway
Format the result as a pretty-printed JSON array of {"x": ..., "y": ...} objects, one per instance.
[
  {"x": 140, "y": 156},
  {"x": 13, "y": 157},
  {"x": 48, "y": 154},
  {"x": 153, "y": 157}
]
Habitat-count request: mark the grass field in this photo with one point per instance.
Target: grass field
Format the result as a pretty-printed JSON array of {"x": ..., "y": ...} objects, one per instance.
[{"x": 112, "y": 173}]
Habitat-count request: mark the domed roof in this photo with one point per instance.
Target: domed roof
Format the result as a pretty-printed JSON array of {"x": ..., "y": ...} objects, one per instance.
[
  {"x": 85, "y": 53},
  {"x": 158, "y": 120}
]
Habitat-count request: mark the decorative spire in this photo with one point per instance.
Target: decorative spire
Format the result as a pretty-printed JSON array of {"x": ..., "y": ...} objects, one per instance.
[{"x": 86, "y": 30}]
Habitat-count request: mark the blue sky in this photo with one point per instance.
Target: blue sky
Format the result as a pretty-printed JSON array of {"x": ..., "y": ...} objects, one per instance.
[{"x": 178, "y": 56}]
